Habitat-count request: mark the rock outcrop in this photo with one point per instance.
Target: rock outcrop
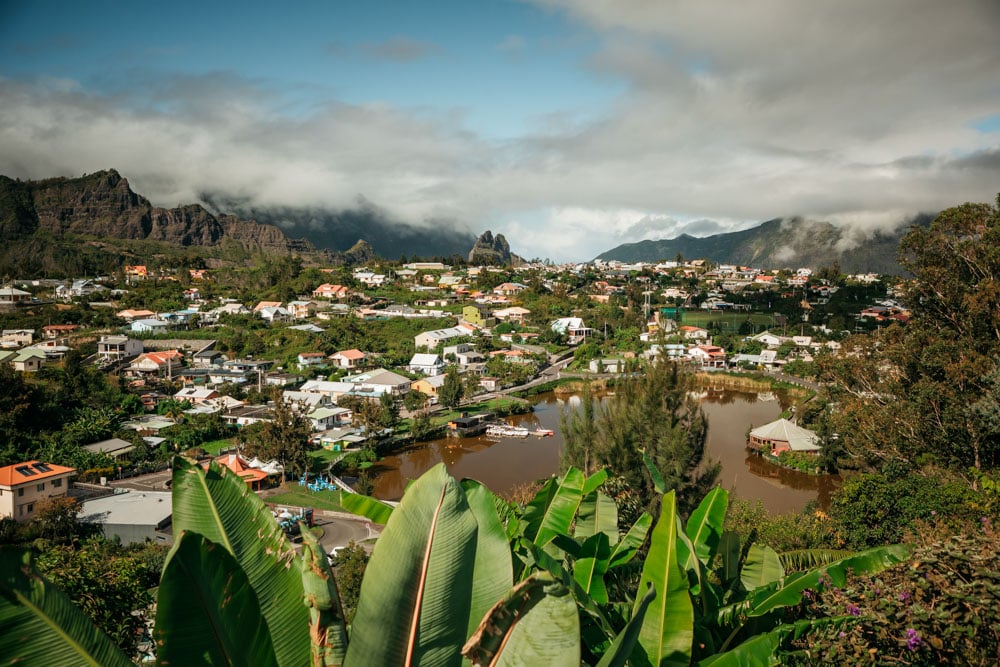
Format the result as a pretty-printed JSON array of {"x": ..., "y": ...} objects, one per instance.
[
  {"x": 103, "y": 205},
  {"x": 490, "y": 250}
]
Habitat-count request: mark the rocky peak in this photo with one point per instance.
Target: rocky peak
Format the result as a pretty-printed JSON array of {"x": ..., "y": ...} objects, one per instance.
[{"x": 490, "y": 250}]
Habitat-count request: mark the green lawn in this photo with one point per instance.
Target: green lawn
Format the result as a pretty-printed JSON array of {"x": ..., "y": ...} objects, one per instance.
[
  {"x": 300, "y": 496},
  {"x": 213, "y": 447},
  {"x": 701, "y": 318}
]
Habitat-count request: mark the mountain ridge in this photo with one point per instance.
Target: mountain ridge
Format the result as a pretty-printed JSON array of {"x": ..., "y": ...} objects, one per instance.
[{"x": 780, "y": 243}]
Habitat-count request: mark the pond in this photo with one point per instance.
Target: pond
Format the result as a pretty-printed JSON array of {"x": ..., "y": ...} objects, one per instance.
[{"x": 503, "y": 464}]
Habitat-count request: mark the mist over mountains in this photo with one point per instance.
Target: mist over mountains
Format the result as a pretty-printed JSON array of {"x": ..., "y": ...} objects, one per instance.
[
  {"x": 780, "y": 243},
  {"x": 341, "y": 229}
]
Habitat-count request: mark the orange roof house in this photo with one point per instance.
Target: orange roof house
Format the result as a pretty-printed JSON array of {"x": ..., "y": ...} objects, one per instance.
[
  {"x": 23, "y": 485},
  {"x": 255, "y": 478}
]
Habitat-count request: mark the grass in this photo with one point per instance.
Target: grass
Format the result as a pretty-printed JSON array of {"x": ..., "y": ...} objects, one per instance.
[
  {"x": 701, "y": 318},
  {"x": 214, "y": 447},
  {"x": 300, "y": 496}
]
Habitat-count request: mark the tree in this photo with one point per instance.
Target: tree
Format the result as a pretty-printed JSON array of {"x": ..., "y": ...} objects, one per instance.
[
  {"x": 389, "y": 410},
  {"x": 284, "y": 437},
  {"x": 450, "y": 393},
  {"x": 652, "y": 414},
  {"x": 414, "y": 399},
  {"x": 349, "y": 569}
]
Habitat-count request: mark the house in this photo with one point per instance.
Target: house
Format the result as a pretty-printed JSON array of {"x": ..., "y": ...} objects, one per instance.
[
  {"x": 783, "y": 436},
  {"x": 116, "y": 348},
  {"x": 328, "y": 291},
  {"x": 24, "y": 485},
  {"x": 196, "y": 394},
  {"x": 509, "y": 289},
  {"x": 301, "y": 310},
  {"x": 132, "y": 314},
  {"x": 477, "y": 315},
  {"x": 266, "y": 304},
  {"x": 378, "y": 382},
  {"x": 133, "y": 517},
  {"x": 429, "y": 386},
  {"x": 255, "y": 478},
  {"x": 431, "y": 339},
  {"x": 348, "y": 358},
  {"x": 78, "y": 288},
  {"x": 198, "y": 274},
  {"x": 370, "y": 279},
  {"x": 28, "y": 360},
  {"x": 769, "y": 339},
  {"x": 708, "y": 355},
  {"x": 116, "y": 448},
  {"x": 157, "y": 363},
  {"x": 152, "y": 326},
  {"x": 136, "y": 271},
  {"x": 274, "y": 314},
  {"x": 309, "y": 359},
  {"x": 513, "y": 314},
  {"x": 693, "y": 333},
  {"x": 426, "y": 364},
  {"x": 573, "y": 328},
  {"x": 607, "y": 366},
  {"x": 326, "y": 418},
  {"x": 244, "y": 415},
  {"x": 16, "y": 337},
  {"x": 464, "y": 354},
  {"x": 10, "y": 295},
  {"x": 54, "y": 331},
  {"x": 304, "y": 401}
]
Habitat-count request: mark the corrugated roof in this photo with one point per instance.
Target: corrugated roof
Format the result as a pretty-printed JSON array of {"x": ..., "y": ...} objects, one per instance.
[{"x": 799, "y": 439}]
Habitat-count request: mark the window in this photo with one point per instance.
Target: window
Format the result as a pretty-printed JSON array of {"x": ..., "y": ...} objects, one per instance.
[
  {"x": 20, "y": 492},
  {"x": 31, "y": 507},
  {"x": 40, "y": 487},
  {"x": 56, "y": 483}
]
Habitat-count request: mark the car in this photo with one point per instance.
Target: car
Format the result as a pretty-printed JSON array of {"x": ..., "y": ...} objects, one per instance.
[{"x": 330, "y": 557}]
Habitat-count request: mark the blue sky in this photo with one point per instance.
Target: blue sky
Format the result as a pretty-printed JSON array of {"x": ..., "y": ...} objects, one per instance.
[{"x": 569, "y": 126}]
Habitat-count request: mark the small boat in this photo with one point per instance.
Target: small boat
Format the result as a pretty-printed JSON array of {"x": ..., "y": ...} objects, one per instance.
[
  {"x": 544, "y": 432},
  {"x": 506, "y": 431}
]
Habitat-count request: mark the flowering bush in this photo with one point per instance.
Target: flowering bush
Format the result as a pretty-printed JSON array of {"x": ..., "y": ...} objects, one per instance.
[{"x": 942, "y": 607}]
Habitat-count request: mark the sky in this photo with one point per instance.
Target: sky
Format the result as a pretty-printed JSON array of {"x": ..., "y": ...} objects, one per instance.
[{"x": 570, "y": 126}]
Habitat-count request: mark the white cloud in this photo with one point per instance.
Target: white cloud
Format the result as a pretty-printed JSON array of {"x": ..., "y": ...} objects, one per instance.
[{"x": 855, "y": 112}]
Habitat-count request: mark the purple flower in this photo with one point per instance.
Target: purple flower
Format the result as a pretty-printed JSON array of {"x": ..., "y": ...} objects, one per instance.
[
  {"x": 904, "y": 596},
  {"x": 853, "y": 610},
  {"x": 912, "y": 639},
  {"x": 933, "y": 513},
  {"x": 842, "y": 634}
]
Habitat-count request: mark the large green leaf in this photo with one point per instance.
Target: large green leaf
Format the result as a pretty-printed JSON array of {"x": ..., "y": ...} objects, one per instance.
[
  {"x": 788, "y": 591},
  {"x": 219, "y": 505},
  {"x": 595, "y": 481},
  {"x": 536, "y": 623},
  {"x": 366, "y": 506},
  {"x": 558, "y": 516},
  {"x": 417, "y": 592},
  {"x": 534, "y": 511},
  {"x": 598, "y": 514},
  {"x": 803, "y": 559},
  {"x": 591, "y": 565},
  {"x": 206, "y": 610},
  {"x": 762, "y": 650},
  {"x": 621, "y": 648},
  {"x": 494, "y": 569},
  {"x": 626, "y": 549},
  {"x": 654, "y": 473},
  {"x": 762, "y": 567},
  {"x": 729, "y": 550},
  {"x": 39, "y": 625},
  {"x": 668, "y": 628},
  {"x": 704, "y": 526},
  {"x": 327, "y": 634}
]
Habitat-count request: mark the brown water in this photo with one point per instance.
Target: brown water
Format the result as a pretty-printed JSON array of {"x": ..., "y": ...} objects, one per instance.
[{"x": 506, "y": 463}]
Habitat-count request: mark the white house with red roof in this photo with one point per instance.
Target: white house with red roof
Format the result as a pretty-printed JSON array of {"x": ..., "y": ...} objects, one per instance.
[{"x": 24, "y": 485}]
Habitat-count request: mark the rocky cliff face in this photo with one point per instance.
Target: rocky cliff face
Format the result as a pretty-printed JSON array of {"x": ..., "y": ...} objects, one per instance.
[
  {"x": 103, "y": 205},
  {"x": 490, "y": 250}
]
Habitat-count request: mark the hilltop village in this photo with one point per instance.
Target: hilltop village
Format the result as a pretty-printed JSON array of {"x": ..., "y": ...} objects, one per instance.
[{"x": 196, "y": 355}]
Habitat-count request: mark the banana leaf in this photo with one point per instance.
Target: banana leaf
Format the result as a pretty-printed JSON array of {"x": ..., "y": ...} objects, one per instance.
[
  {"x": 591, "y": 565},
  {"x": 416, "y": 596},
  {"x": 803, "y": 559},
  {"x": 598, "y": 513},
  {"x": 668, "y": 627},
  {"x": 327, "y": 633},
  {"x": 536, "y": 623},
  {"x": 704, "y": 526},
  {"x": 39, "y": 625},
  {"x": 220, "y": 506},
  {"x": 366, "y": 506},
  {"x": 762, "y": 567},
  {"x": 206, "y": 611},
  {"x": 558, "y": 516},
  {"x": 762, "y": 650},
  {"x": 494, "y": 568},
  {"x": 621, "y": 648},
  {"x": 626, "y": 549},
  {"x": 659, "y": 484}
]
